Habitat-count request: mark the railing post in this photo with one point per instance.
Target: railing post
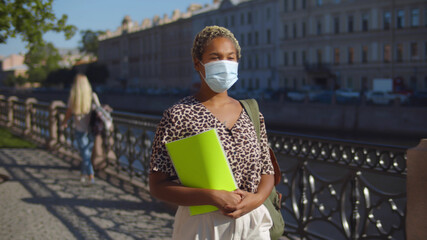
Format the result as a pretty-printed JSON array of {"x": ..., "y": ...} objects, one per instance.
[
  {"x": 53, "y": 122},
  {"x": 416, "y": 192},
  {"x": 355, "y": 201},
  {"x": 3, "y": 104},
  {"x": 10, "y": 102},
  {"x": 28, "y": 114}
]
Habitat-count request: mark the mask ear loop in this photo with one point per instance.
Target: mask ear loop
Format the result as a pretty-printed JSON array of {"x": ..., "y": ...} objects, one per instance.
[{"x": 200, "y": 73}]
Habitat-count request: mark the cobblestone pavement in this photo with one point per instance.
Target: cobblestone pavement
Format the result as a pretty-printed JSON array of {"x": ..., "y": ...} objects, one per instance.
[{"x": 44, "y": 199}]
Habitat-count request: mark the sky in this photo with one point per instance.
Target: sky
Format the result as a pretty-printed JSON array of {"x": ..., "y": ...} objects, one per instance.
[{"x": 100, "y": 15}]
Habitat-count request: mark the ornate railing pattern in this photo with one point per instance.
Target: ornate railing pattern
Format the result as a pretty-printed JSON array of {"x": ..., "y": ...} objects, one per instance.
[
  {"x": 332, "y": 189},
  {"x": 336, "y": 189},
  {"x": 40, "y": 131},
  {"x": 19, "y": 115}
]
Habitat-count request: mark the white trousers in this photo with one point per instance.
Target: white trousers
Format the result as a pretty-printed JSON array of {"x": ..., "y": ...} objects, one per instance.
[{"x": 214, "y": 225}]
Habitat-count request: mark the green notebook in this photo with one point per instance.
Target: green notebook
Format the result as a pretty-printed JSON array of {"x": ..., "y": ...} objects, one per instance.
[{"x": 200, "y": 162}]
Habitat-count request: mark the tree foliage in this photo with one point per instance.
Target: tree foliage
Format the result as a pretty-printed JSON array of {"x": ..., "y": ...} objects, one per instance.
[
  {"x": 13, "y": 81},
  {"x": 41, "y": 60},
  {"x": 31, "y": 19},
  {"x": 89, "y": 43}
]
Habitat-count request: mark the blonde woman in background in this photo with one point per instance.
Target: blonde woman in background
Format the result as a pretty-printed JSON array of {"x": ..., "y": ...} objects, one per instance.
[{"x": 79, "y": 107}]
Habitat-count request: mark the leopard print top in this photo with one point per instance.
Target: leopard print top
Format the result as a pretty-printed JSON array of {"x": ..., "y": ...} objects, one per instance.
[{"x": 248, "y": 158}]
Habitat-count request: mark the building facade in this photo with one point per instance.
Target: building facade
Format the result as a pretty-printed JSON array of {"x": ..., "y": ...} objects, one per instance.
[
  {"x": 348, "y": 43},
  {"x": 287, "y": 44}
]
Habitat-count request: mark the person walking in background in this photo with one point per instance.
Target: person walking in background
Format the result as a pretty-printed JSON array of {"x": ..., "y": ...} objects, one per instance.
[
  {"x": 79, "y": 107},
  {"x": 242, "y": 214}
]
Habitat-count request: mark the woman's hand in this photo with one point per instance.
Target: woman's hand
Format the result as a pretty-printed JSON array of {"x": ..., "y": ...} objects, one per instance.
[
  {"x": 249, "y": 202},
  {"x": 226, "y": 201}
]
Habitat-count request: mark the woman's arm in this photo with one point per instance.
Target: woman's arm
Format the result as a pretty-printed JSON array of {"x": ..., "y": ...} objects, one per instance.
[
  {"x": 162, "y": 188},
  {"x": 68, "y": 114},
  {"x": 250, "y": 201}
]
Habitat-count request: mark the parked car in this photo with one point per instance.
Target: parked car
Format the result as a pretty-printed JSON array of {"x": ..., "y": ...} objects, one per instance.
[
  {"x": 378, "y": 97},
  {"x": 296, "y": 96},
  {"x": 348, "y": 93}
]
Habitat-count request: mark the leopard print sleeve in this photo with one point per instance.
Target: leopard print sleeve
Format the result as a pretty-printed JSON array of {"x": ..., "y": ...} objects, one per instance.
[
  {"x": 160, "y": 160},
  {"x": 267, "y": 166}
]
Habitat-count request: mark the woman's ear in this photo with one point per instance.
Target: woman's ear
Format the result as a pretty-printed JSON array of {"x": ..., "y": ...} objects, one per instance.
[{"x": 197, "y": 65}]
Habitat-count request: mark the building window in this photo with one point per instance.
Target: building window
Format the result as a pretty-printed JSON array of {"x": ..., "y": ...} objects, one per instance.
[
  {"x": 415, "y": 17},
  {"x": 425, "y": 16},
  {"x": 303, "y": 4},
  {"x": 350, "y": 23},
  {"x": 414, "y": 51},
  {"x": 336, "y": 25},
  {"x": 387, "y": 20},
  {"x": 232, "y": 20},
  {"x": 294, "y": 30},
  {"x": 242, "y": 19},
  {"x": 318, "y": 27},
  {"x": 249, "y": 18},
  {"x": 350, "y": 55},
  {"x": 425, "y": 51},
  {"x": 256, "y": 39},
  {"x": 226, "y": 22},
  {"x": 285, "y": 31},
  {"x": 268, "y": 60},
  {"x": 399, "y": 52},
  {"x": 285, "y": 5},
  {"x": 387, "y": 53},
  {"x": 400, "y": 21},
  {"x": 365, "y": 22},
  {"x": 364, "y": 54},
  {"x": 303, "y": 57},
  {"x": 294, "y": 58},
  {"x": 319, "y": 2},
  {"x": 350, "y": 82},
  {"x": 413, "y": 83},
  {"x": 294, "y": 5},
  {"x": 303, "y": 29},
  {"x": 249, "y": 39},
  {"x": 319, "y": 56},
  {"x": 242, "y": 39},
  {"x": 268, "y": 36},
  {"x": 256, "y": 61},
  {"x": 336, "y": 56},
  {"x": 285, "y": 59},
  {"x": 268, "y": 13}
]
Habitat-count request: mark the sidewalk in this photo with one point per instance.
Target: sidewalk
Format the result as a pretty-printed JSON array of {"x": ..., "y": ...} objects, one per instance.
[{"x": 44, "y": 199}]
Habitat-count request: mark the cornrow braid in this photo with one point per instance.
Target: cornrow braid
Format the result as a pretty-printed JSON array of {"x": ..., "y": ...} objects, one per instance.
[{"x": 208, "y": 34}]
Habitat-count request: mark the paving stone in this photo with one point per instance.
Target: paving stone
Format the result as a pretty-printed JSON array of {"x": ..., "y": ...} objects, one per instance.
[{"x": 44, "y": 199}]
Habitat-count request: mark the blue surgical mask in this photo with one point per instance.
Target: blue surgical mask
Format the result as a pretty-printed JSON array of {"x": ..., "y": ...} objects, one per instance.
[{"x": 220, "y": 75}]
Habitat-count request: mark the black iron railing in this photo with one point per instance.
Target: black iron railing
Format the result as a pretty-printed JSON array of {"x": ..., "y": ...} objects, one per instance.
[{"x": 332, "y": 189}]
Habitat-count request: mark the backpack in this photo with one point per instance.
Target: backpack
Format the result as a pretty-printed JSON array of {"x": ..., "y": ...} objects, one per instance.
[
  {"x": 100, "y": 119},
  {"x": 273, "y": 202}
]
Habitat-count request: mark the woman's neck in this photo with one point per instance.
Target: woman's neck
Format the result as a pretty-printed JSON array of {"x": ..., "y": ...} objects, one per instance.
[{"x": 211, "y": 96}]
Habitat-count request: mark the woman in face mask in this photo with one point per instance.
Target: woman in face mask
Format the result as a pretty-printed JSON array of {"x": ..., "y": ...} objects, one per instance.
[{"x": 241, "y": 214}]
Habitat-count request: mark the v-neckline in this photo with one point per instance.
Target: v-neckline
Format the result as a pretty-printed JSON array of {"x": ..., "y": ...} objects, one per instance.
[{"x": 216, "y": 119}]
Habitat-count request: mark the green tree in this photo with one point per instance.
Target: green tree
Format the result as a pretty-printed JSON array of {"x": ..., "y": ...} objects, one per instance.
[
  {"x": 12, "y": 80},
  {"x": 89, "y": 43},
  {"x": 31, "y": 19},
  {"x": 41, "y": 60}
]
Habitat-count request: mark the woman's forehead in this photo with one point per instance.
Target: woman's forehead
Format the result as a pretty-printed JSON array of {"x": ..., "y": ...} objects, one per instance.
[{"x": 220, "y": 44}]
